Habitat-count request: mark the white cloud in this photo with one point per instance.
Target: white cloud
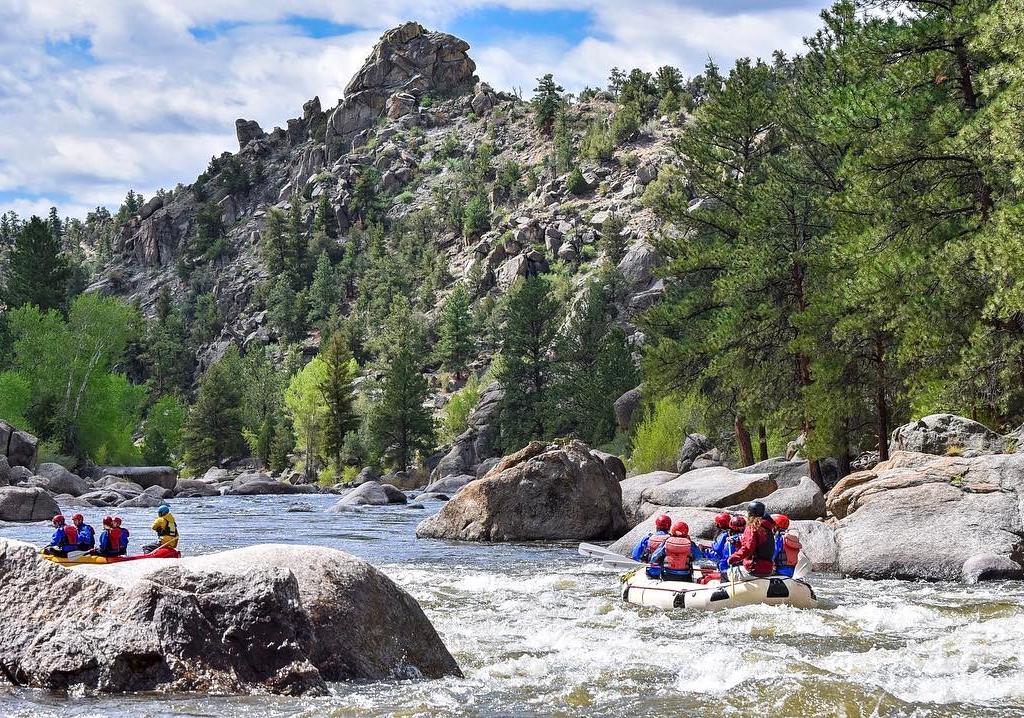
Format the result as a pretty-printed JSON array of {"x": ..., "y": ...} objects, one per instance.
[{"x": 150, "y": 103}]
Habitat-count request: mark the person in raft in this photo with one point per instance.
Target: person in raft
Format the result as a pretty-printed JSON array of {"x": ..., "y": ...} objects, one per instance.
[
  {"x": 787, "y": 546},
  {"x": 757, "y": 546},
  {"x": 651, "y": 542},
  {"x": 166, "y": 530},
  {"x": 111, "y": 538},
  {"x": 86, "y": 533},
  {"x": 64, "y": 538},
  {"x": 718, "y": 548},
  {"x": 674, "y": 558},
  {"x": 123, "y": 549}
]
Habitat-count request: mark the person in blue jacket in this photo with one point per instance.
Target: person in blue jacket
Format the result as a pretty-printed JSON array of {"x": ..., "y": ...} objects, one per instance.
[
  {"x": 86, "y": 533},
  {"x": 731, "y": 542},
  {"x": 110, "y": 539},
  {"x": 64, "y": 538},
  {"x": 716, "y": 552},
  {"x": 675, "y": 557},
  {"x": 124, "y": 536},
  {"x": 650, "y": 543}
]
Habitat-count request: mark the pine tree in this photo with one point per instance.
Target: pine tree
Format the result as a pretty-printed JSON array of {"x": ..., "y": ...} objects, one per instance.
[
  {"x": 37, "y": 272},
  {"x": 525, "y": 369},
  {"x": 168, "y": 357},
  {"x": 296, "y": 263},
  {"x": 56, "y": 226},
  {"x": 547, "y": 102},
  {"x": 261, "y": 402},
  {"x": 213, "y": 430},
  {"x": 456, "y": 330},
  {"x": 669, "y": 81},
  {"x": 565, "y": 152},
  {"x": 272, "y": 243},
  {"x": 338, "y": 395},
  {"x": 323, "y": 291},
  {"x": 398, "y": 422}
]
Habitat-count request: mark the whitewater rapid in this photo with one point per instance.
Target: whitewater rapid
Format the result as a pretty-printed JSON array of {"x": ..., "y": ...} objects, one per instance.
[{"x": 539, "y": 631}]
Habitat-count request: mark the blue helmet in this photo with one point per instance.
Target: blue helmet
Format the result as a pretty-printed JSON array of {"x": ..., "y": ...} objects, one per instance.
[{"x": 164, "y": 509}]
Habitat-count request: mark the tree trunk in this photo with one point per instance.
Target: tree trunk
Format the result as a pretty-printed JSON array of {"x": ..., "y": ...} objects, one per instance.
[
  {"x": 743, "y": 442},
  {"x": 762, "y": 441},
  {"x": 881, "y": 405},
  {"x": 844, "y": 456},
  {"x": 814, "y": 468}
]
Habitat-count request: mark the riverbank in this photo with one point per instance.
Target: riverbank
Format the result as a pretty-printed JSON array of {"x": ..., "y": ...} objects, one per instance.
[{"x": 539, "y": 631}]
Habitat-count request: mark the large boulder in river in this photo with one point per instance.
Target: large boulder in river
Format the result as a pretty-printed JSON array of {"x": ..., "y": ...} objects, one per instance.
[
  {"x": 715, "y": 487},
  {"x": 633, "y": 490},
  {"x": 5, "y": 472},
  {"x": 267, "y": 618},
  {"x": 20, "y": 503},
  {"x": 801, "y": 502},
  {"x": 258, "y": 484},
  {"x": 542, "y": 492},
  {"x": 919, "y": 516},
  {"x": 58, "y": 480},
  {"x": 191, "y": 489},
  {"x": 372, "y": 493},
  {"x": 448, "y": 485},
  {"x": 144, "y": 476},
  {"x": 947, "y": 434}
]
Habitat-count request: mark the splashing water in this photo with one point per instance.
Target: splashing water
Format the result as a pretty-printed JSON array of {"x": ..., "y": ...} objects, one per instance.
[{"x": 539, "y": 631}]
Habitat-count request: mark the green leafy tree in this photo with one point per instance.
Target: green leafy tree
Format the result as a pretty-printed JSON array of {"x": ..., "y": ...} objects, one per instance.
[
  {"x": 161, "y": 438},
  {"x": 307, "y": 410}
]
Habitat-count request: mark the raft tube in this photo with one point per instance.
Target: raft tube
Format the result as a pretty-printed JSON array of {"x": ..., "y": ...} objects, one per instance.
[
  {"x": 164, "y": 552},
  {"x": 643, "y": 590}
]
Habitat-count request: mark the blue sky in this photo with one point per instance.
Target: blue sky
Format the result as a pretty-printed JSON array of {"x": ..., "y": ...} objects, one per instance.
[{"x": 98, "y": 97}]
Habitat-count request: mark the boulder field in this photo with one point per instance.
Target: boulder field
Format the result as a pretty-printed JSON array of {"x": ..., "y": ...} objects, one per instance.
[{"x": 269, "y": 618}]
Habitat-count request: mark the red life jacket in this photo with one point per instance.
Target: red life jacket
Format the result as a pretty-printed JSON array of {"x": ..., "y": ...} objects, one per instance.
[
  {"x": 790, "y": 549},
  {"x": 114, "y": 539},
  {"x": 654, "y": 543},
  {"x": 677, "y": 553},
  {"x": 71, "y": 535}
]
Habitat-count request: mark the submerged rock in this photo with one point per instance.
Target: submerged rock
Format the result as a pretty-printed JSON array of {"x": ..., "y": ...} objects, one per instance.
[
  {"x": 283, "y": 619},
  {"x": 541, "y": 492}
]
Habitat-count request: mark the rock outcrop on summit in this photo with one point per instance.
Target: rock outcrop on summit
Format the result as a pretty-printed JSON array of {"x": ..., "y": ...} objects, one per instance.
[{"x": 407, "y": 63}]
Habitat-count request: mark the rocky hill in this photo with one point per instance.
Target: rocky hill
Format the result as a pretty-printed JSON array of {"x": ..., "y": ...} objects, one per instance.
[{"x": 413, "y": 106}]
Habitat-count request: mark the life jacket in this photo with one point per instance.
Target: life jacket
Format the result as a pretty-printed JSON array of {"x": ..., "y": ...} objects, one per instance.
[
  {"x": 654, "y": 543},
  {"x": 70, "y": 536},
  {"x": 169, "y": 528},
  {"x": 86, "y": 536},
  {"x": 765, "y": 551},
  {"x": 114, "y": 539},
  {"x": 790, "y": 549},
  {"x": 678, "y": 553}
]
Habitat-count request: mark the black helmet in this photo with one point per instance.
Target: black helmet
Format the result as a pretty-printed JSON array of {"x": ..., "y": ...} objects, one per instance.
[{"x": 755, "y": 508}]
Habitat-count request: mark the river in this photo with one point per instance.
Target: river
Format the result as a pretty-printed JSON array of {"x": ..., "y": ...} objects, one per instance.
[{"x": 539, "y": 631}]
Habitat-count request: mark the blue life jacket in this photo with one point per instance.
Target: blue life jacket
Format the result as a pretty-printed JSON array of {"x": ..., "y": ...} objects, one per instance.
[
  {"x": 86, "y": 538},
  {"x": 123, "y": 549},
  {"x": 716, "y": 552},
  {"x": 730, "y": 543}
]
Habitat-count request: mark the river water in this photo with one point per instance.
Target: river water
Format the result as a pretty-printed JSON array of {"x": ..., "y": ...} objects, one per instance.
[{"x": 539, "y": 631}]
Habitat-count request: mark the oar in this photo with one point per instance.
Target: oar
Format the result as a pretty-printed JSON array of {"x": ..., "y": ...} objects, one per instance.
[
  {"x": 803, "y": 566},
  {"x": 607, "y": 557}
]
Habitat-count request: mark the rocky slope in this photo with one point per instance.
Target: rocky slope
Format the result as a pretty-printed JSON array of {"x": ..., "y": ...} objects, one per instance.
[{"x": 414, "y": 103}]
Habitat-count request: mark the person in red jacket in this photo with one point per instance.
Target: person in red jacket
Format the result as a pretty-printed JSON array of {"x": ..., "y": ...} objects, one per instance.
[{"x": 757, "y": 546}]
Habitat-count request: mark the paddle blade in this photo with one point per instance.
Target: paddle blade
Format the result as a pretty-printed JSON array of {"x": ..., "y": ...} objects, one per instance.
[{"x": 803, "y": 566}]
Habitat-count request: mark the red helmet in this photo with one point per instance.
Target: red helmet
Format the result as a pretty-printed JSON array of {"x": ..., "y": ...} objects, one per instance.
[
  {"x": 58, "y": 520},
  {"x": 107, "y": 521},
  {"x": 663, "y": 522},
  {"x": 117, "y": 521},
  {"x": 781, "y": 521},
  {"x": 738, "y": 523},
  {"x": 680, "y": 528},
  {"x": 77, "y": 517},
  {"x": 722, "y": 520}
]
